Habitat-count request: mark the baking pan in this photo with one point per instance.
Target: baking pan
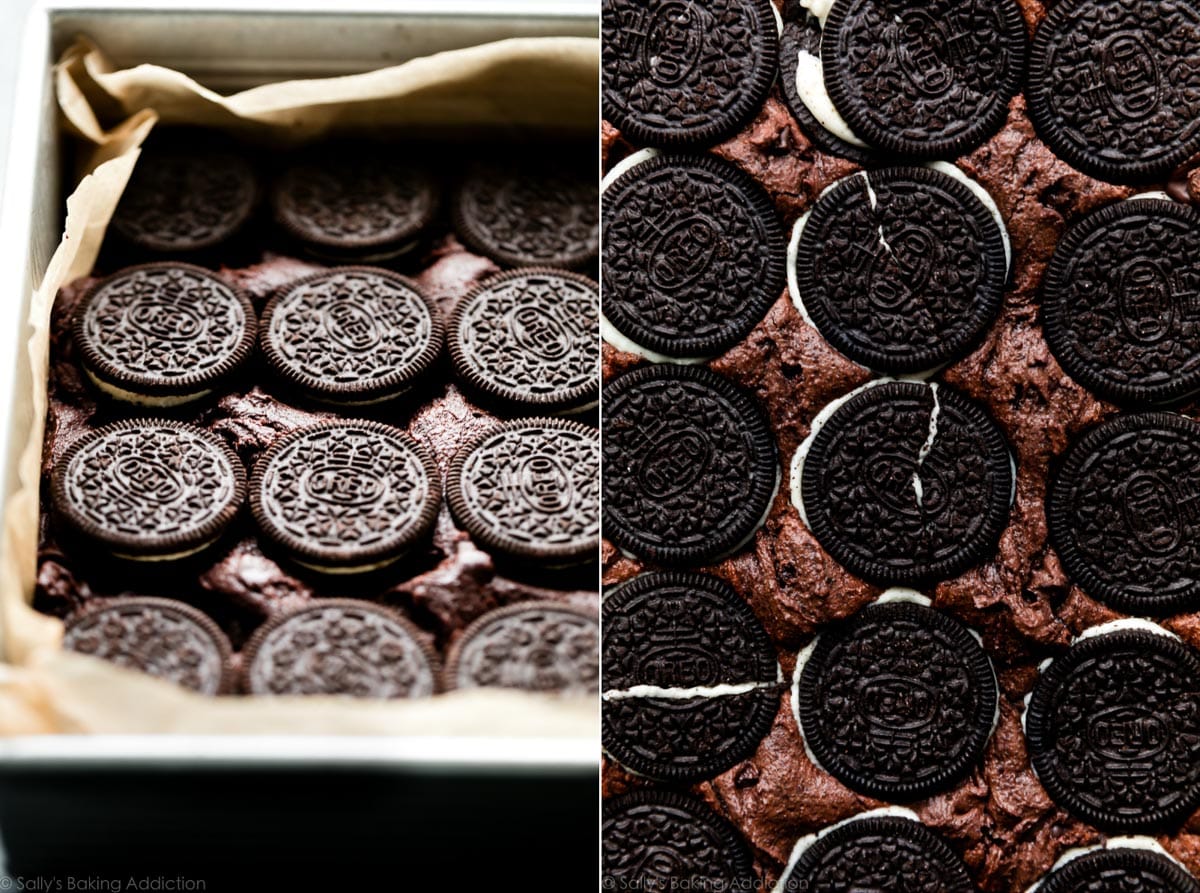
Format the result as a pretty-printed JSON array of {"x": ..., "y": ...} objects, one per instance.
[{"x": 55, "y": 789}]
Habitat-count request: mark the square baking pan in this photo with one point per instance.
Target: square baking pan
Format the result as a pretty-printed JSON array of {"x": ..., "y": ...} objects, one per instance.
[{"x": 76, "y": 802}]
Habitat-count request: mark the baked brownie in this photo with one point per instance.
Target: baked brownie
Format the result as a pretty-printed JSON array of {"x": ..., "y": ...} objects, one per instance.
[
  {"x": 1019, "y": 599},
  {"x": 443, "y": 583}
]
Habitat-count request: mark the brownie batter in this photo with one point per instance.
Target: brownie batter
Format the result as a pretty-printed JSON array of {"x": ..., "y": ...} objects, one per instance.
[
  {"x": 999, "y": 819},
  {"x": 443, "y": 585}
]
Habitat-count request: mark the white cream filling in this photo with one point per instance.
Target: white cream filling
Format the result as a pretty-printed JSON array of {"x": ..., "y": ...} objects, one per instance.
[
  {"x": 342, "y": 571},
  {"x": 984, "y": 196},
  {"x": 803, "y": 844},
  {"x": 810, "y": 87},
  {"x": 675, "y": 693},
  {"x": 1153, "y": 195},
  {"x": 170, "y": 556},
  {"x": 625, "y": 344},
  {"x": 627, "y": 164},
  {"x": 1113, "y": 843},
  {"x": 125, "y": 396}
]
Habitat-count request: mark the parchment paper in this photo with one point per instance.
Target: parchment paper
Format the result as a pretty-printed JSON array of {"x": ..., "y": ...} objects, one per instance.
[{"x": 533, "y": 82}]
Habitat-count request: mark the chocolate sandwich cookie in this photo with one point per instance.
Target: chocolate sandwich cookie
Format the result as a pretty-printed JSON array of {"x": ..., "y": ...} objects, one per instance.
[
  {"x": 1113, "y": 728},
  {"x": 690, "y": 465},
  {"x": 691, "y": 682},
  {"x": 802, "y": 82},
  {"x": 693, "y": 256},
  {"x": 147, "y": 489},
  {"x": 528, "y": 340},
  {"x": 1117, "y": 870},
  {"x": 897, "y": 702},
  {"x": 529, "y": 212},
  {"x": 902, "y": 269},
  {"x": 1116, "y": 92},
  {"x": 1121, "y": 301},
  {"x": 535, "y": 646},
  {"x": 928, "y": 80},
  {"x": 683, "y": 75},
  {"x": 878, "y": 852},
  {"x": 340, "y": 646},
  {"x": 660, "y": 840},
  {"x": 163, "y": 334},
  {"x": 189, "y": 192},
  {"x": 352, "y": 336},
  {"x": 157, "y": 636},
  {"x": 904, "y": 482},
  {"x": 531, "y": 490},
  {"x": 1123, "y": 513},
  {"x": 345, "y": 496},
  {"x": 356, "y": 202}
]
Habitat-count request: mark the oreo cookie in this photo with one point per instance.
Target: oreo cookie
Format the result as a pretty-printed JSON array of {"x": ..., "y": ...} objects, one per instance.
[
  {"x": 340, "y": 646},
  {"x": 535, "y": 646},
  {"x": 1121, "y": 301},
  {"x": 163, "y": 334},
  {"x": 682, "y": 75},
  {"x": 690, "y": 465},
  {"x": 904, "y": 482},
  {"x": 346, "y": 496},
  {"x": 148, "y": 489},
  {"x": 189, "y": 192},
  {"x": 902, "y": 269},
  {"x": 1123, "y": 512},
  {"x": 693, "y": 256},
  {"x": 356, "y": 202},
  {"x": 802, "y": 82},
  {"x": 691, "y": 682},
  {"x": 352, "y": 336},
  {"x": 1117, "y": 870},
  {"x": 156, "y": 636},
  {"x": 1116, "y": 92},
  {"x": 529, "y": 212},
  {"x": 1113, "y": 728},
  {"x": 897, "y": 702},
  {"x": 527, "y": 340},
  {"x": 661, "y": 840},
  {"x": 878, "y": 852},
  {"x": 531, "y": 489},
  {"x": 928, "y": 80}
]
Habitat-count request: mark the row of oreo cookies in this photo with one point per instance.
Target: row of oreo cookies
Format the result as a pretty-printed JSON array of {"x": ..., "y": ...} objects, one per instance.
[
  {"x": 167, "y": 334},
  {"x": 1111, "y": 88},
  {"x": 667, "y": 841},
  {"x": 336, "y": 497},
  {"x": 340, "y": 646},
  {"x": 354, "y": 202}
]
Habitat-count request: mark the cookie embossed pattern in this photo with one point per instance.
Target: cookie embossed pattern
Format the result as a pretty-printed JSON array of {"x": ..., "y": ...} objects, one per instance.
[{"x": 976, "y": 379}]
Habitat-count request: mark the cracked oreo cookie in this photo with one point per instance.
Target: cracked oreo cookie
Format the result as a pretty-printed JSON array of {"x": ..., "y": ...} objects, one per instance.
[
  {"x": 531, "y": 489},
  {"x": 352, "y": 335},
  {"x": 188, "y": 193},
  {"x": 163, "y": 334},
  {"x": 904, "y": 482},
  {"x": 928, "y": 80},
  {"x": 1117, "y": 870},
  {"x": 148, "y": 489},
  {"x": 156, "y": 636},
  {"x": 528, "y": 340},
  {"x": 356, "y": 202},
  {"x": 653, "y": 840},
  {"x": 690, "y": 466},
  {"x": 1113, "y": 728},
  {"x": 897, "y": 702},
  {"x": 340, "y": 646},
  {"x": 693, "y": 256},
  {"x": 530, "y": 212},
  {"x": 535, "y": 646},
  {"x": 691, "y": 682},
  {"x": 1123, "y": 513},
  {"x": 1121, "y": 301},
  {"x": 678, "y": 74},
  {"x": 902, "y": 269},
  {"x": 1114, "y": 87},
  {"x": 879, "y": 852},
  {"x": 345, "y": 496}
]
